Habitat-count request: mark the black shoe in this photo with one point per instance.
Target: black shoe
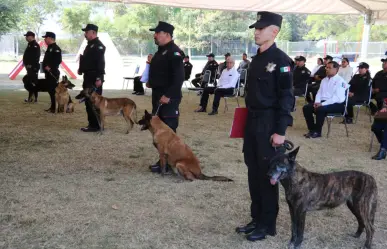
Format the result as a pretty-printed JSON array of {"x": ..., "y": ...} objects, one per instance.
[
  {"x": 140, "y": 93},
  {"x": 315, "y": 135},
  {"x": 380, "y": 155},
  {"x": 260, "y": 234},
  {"x": 247, "y": 228},
  {"x": 347, "y": 121},
  {"x": 89, "y": 129},
  {"x": 156, "y": 168},
  {"x": 213, "y": 112},
  {"x": 134, "y": 93},
  {"x": 307, "y": 135},
  {"x": 201, "y": 110},
  {"x": 52, "y": 110}
]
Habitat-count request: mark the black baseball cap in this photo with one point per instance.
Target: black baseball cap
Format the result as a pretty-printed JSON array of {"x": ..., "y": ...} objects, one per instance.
[
  {"x": 227, "y": 54},
  {"x": 266, "y": 18},
  {"x": 163, "y": 26},
  {"x": 91, "y": 27},
  {"x": 300, "y": 58},
  {"x": 383, "y": 60},
  {"x": 49, "y": 34},
  {"x": 186, "y": 56},
  {"x": 363, "y": 65},
  {"x": 211, "y": 55},
  {"x": 328, "y": 57},
  {"x": 29, "y": 33}
]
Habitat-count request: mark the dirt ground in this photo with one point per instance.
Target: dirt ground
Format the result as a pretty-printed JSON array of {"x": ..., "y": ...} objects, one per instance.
[{"x": 62, "y": 188}]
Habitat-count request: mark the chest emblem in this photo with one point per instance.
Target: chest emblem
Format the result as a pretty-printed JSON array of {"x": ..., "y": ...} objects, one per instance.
[
  {"x": 165, "y": 52},
  {"x": 270, "y": 67},
  {"x": 50, "y": 49},
  {"x": 92, "y": 46}
]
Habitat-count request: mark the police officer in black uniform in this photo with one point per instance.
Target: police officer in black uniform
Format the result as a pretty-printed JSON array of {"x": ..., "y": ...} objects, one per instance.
[
  {"x": 301, "y": 75},
  {"x": 31, "y": 61},
  {"x": 379, "y": 87},
  {"x": 51, "y": 61},
  {"x": 269, "y": 101},
  {"x": 92, "y": 66},
  {"x": 187, "y": 68},
  {"x": 211, "y": 65},
  {"x": 166, "y": 77}
]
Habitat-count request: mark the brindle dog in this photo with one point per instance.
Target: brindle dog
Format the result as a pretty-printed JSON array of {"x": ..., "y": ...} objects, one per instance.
[{"x": 307, "y": 191}]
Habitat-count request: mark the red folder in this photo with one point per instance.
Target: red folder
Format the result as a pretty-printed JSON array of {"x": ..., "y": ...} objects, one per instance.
[{"x": 239, "y": 123}]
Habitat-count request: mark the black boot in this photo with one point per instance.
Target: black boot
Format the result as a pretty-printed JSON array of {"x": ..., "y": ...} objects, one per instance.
[
  {"x": 260, "y": 233},
  {"x": 156, "y": 168},
  {"x": 380, "y": 155},
  {"x": 246, "y": 229}
]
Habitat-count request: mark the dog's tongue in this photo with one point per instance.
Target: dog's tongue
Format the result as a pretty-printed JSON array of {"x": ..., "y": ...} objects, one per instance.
[{"x": 273, "y": 181}]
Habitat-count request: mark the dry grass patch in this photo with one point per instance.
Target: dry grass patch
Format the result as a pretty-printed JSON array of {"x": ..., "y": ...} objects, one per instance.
[{"x": 62, "y": 188}]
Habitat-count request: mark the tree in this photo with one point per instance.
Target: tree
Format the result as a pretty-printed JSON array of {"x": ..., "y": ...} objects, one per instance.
[
  {"x": 10, "y": 11},
  {"x": 286, "y": 31},
  {"x": 75, "y": 18},
  {"x": 36, "y": 13}
]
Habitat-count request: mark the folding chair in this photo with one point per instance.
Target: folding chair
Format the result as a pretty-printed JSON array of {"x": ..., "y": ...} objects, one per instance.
[
  {"x": 242, "y": 78},
  {"x": 206, "y": 79},
  {"x": 366, "y": 103},
  {"x": 296, "y": 97},
  {"x": 331, "y": 116},
  {"x": 130, "y": 78},
  {"x": 234, "y": 95}
]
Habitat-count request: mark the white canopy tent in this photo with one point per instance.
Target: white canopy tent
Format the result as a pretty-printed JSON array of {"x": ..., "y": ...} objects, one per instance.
[{"x": 374, "y": 11}]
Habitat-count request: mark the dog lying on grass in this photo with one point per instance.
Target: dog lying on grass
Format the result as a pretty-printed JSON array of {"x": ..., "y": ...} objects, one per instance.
[
  {"x": 307, "y": 191},
  {"x": 174, "y": 151}
]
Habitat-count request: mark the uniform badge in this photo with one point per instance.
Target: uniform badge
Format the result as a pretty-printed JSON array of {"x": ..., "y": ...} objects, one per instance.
[
  {"x": 50, "y": 49},
  {"x": 100, "y": 47},
  {"x": 270, "y": 67},
  {"x": 92, "y": 46},
  {"x": 177, "y": 54},
  {"x": 285, "y": 69},
  {"x": 303, "y": 71},
  {"x": 57, "y": 51},
  {"x": 165, "y": 52}
]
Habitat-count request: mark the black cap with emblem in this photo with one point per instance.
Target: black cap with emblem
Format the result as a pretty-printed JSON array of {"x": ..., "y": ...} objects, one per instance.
[
  {"x": 211, "y": 55},
  {"x": 300, "y": 58},
  {"x": 165, "y": 27},
  {"x": 91, "y": 27},
  {"x": 29, "y": 33},
  {"x": 265, "y": 19},
  {"x": 363, "y": 65},
  {"x": 49, "y": 34}
]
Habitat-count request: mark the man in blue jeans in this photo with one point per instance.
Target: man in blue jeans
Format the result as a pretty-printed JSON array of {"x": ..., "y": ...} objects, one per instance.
[{"x": 330, "y": 98}]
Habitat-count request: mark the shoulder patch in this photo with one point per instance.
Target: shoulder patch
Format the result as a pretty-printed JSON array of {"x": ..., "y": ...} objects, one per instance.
[
  {"x": 285, "y": 69},
  {"x": 100, "y": 47},
  {"x": 57, "y": 50},
  {"x": 177, "y": 54}
]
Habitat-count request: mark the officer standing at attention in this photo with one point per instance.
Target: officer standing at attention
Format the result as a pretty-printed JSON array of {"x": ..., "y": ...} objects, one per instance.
[
  {"x": 31, "y": 60},
  {"x": 92, "y": 66},
  {"x": 269, "y": 101},
  {"x": 166, "y": 77},
  {"x": 51, "y": 61}
]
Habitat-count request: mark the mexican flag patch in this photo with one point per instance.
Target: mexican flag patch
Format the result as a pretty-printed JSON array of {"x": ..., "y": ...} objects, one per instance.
[
  {"x": 177, "y": 53},
  {"x": 285, "y": 69}
]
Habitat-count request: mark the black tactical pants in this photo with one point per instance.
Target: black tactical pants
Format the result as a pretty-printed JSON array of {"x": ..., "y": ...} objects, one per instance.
[
  {"x": 52, "y": 78},
  {"x": 168, "y": 113},
  {"x": 258, "y": 151},
  {"x": 32, "y": 82},
  {"x": 89, "y": 82}
]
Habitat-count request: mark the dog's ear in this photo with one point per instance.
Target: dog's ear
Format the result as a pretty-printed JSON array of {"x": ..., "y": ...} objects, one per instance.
[
  {"x": 146, "y": 113},
  {"x": 293, "y": 154}
]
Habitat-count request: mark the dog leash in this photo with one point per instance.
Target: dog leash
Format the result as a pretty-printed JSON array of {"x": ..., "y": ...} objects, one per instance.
[
  {"x": 158, "y": 108},
  {"x": 288, "y": 145}
]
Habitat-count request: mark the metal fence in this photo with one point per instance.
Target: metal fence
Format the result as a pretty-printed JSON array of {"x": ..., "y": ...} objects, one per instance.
[{"x": 13, "y": 46}]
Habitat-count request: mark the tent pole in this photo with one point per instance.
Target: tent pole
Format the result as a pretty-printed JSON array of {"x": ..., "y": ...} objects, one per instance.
[{"x": 366, "y": 35}]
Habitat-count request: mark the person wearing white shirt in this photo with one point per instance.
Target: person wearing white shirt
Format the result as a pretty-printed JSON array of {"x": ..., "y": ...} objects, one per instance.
[
  {"x": 345, "y": 70},
  {"x": 138, "y": 88},
  {"x": 320, "y": 63},
  {"x": 330, "y": 98},
  {"x": 226, "y": 85}
]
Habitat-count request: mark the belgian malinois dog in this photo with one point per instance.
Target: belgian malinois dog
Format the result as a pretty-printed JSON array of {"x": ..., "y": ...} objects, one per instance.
[
  {"x": 110, "y": 106},
  {"x": 174, "y": 151},
  {"x": 62, "y": 97},
  {"x": 307, "y": 191}
]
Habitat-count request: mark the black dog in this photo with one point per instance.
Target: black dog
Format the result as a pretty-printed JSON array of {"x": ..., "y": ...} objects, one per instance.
[
  {"x": 41, "y": 86},
  {"x": 307, "y": 191}
]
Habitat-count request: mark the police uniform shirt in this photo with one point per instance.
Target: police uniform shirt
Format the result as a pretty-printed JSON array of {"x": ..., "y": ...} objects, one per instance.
[
  {"x": 270, "y": 85},
  {"x": 32, "y": 55},
  {"x": 52, "y": 57},
  {"x": 166, "y": 72},
  {"x": 359, "y": 86},
  {"x": 228, "y": 78},
  {"x": 187, "y": 69},
  {"x": 212, "y": 66},
  {"x": 301, "y": 76},
  {"x": 380, "y": 81},
  {"x": 93, "y": 59},
  {"x": 332, "y": 90}
]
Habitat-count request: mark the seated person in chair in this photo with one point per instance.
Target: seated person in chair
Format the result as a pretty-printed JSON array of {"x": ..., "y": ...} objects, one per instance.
[
  {"x": 211, "y": 65},
  {"x": 359, "y": 91},
  {"x": 379, "y": 87},
  {"x": 330, "y": 98},
  {"x": 187, "y": 68},
  {"x": 138, "y": 88},
  {"x": 317, "y": 78},
  {"x": 245, "y": 63},
  {"x": 379, "y": 128},
  {"x": 222, "y": 65},
  {"x": 345, "y": 70},
  {"x": 226, "y": 85},
  {"x": 301, "y": 76}
]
